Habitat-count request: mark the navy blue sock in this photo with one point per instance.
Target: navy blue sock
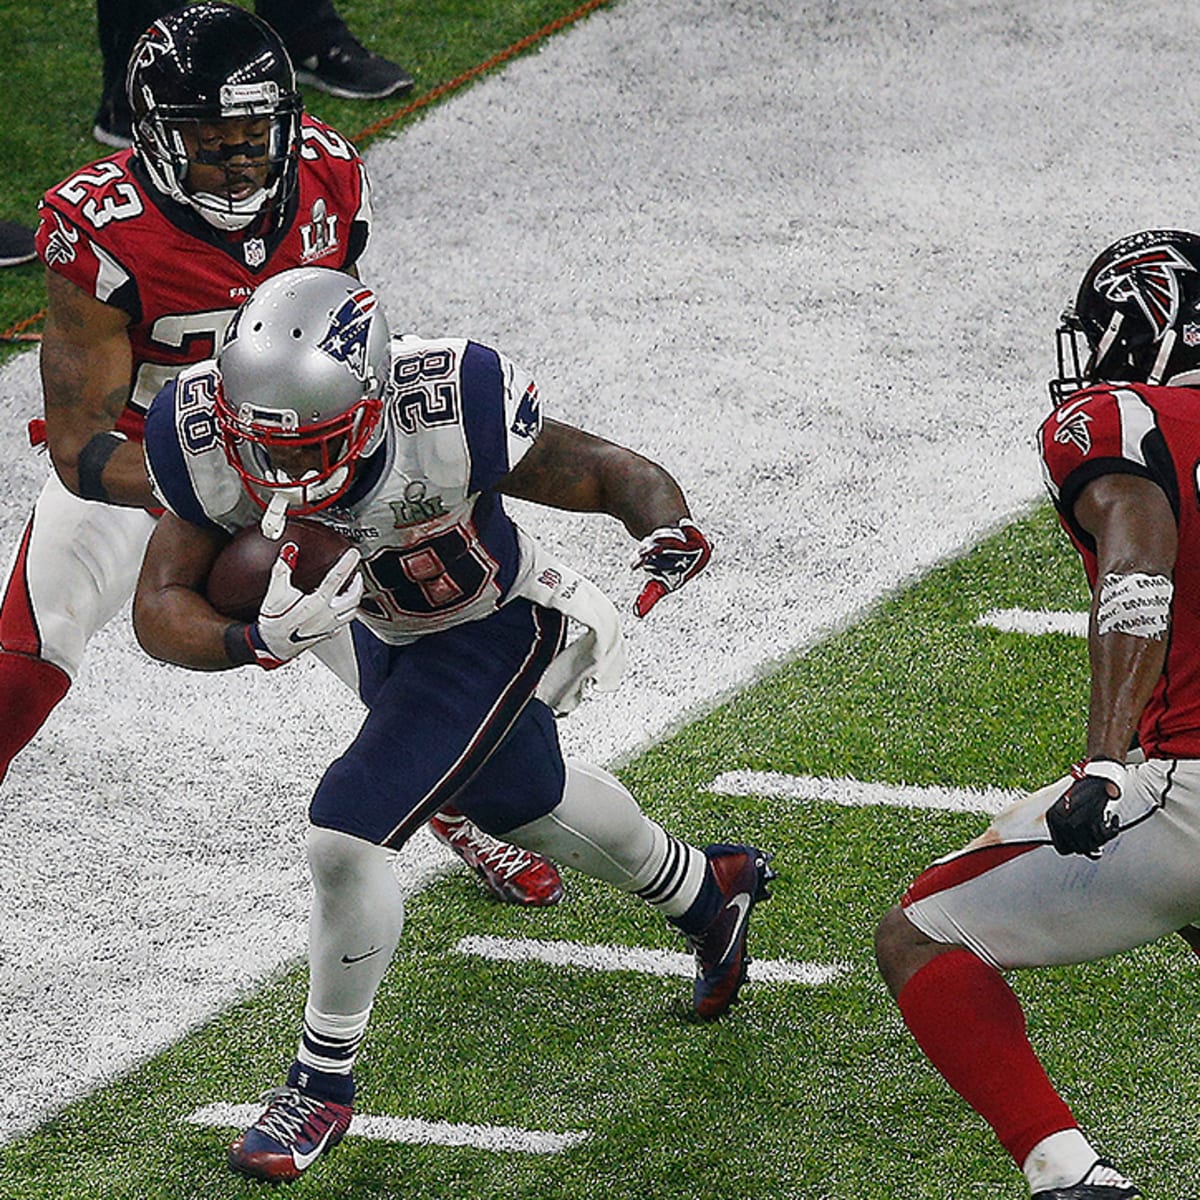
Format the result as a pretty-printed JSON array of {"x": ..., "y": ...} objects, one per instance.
[{"x": 322, "y": 1084}]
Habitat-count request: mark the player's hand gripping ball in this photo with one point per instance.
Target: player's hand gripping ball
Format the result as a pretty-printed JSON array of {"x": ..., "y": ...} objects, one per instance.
[{"x": 239, "y": 577}]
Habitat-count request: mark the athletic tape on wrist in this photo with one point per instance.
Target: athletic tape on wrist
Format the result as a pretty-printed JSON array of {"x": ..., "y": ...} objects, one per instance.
[
  {"x": 1135, "y": 604},
  {"x": 92, "y": 460}
]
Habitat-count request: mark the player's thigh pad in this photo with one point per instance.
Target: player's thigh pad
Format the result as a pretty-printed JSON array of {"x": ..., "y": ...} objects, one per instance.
[
  {"x": 72, "y": 573},
  {"x": 1013, "y": 900},
  {"x": 438, "y": 710}
]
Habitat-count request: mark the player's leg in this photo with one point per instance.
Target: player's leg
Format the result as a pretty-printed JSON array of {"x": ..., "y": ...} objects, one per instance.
[
  {"x": 598, "y": 828},
  {"x": 356, "y": 920},
  {"x": 1009, "y": 900},
  {"x": 75, "y": 566},
  {"x": 437, "y": 709},
  {"x": 510, "y": 873}
]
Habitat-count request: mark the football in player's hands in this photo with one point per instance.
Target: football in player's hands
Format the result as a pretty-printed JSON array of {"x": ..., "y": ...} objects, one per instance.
[{"x": 238, "y": 580}]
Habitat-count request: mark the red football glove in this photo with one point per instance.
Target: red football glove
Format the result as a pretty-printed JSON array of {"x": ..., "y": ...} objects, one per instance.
[{"x": 670, "y": 556}]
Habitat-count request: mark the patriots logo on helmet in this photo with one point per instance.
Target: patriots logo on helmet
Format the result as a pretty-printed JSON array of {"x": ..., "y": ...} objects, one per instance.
[
  {"x": 345, "y": 340},
  {"x": 528, "y": 420},
  {"x": 1150, "y": 278}
]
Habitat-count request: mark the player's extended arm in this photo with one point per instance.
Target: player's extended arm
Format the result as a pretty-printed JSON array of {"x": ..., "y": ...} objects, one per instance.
[
  {"x": 567, "y": 468},
  {"x": 1136, "y": 543},
  {"x": 570, "y": 469},
  {"x": 87, "y": 370},
  {"x": 171, "y": 617}
]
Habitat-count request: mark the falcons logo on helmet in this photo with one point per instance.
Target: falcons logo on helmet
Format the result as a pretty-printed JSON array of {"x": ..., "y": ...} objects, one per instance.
[{"x": 1149, "y": 277}]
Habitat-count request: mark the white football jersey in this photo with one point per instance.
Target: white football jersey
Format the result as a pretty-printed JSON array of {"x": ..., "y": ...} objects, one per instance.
[{"x": 437, "y": 546}]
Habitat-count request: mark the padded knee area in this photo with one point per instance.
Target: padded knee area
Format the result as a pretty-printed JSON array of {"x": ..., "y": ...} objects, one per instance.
[{"x": 596, "y": 828}]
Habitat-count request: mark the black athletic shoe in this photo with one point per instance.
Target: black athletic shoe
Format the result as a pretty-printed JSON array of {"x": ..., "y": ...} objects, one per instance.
[
  {"x": 113, "y": 125},
  {"x": 16, "y": 244},
  {"x": 1102, "y": 1182},
  {"x": 346, "y": 68}
]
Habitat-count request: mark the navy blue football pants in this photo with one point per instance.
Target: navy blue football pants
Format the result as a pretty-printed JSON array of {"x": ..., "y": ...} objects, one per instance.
[{"x": 452, "y": 719}]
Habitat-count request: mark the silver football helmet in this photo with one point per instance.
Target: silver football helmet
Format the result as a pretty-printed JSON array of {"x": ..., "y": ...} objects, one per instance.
[{"x": 303, "y": 367}]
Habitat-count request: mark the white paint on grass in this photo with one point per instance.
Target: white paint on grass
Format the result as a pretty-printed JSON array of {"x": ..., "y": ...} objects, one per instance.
[
  {"x": 1024, "y": 620},
  {"x": 854, "y": 793},
  {"x": 500, "y": 1139},
  {"x": 647, "y": 962}
]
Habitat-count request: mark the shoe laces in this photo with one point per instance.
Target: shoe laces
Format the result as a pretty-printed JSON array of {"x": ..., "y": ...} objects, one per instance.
[
  {"x": 505, "y": 859},
  {"x": 288, "y": 1110}
]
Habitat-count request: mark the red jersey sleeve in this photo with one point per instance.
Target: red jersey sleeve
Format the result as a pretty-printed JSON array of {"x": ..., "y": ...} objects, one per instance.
[
  {"x": 74, "y": 218},
  {"x": 1102, "y": 431}
]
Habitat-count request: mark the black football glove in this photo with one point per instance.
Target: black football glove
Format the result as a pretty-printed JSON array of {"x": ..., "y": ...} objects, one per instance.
[
  {"x": 670, "y": 556},
  {"x": 1084, "y": 817}
]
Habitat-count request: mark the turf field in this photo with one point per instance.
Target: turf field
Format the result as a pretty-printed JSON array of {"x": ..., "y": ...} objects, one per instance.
[
  {"x": 810, "y": 1088},
  {"x": 501, "y": 1062}
]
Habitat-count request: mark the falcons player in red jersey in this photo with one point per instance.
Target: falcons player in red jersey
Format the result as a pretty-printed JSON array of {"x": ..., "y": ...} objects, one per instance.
[
  {"x": 149, "y": 252},
  {"x": 1105, "y": 858}
]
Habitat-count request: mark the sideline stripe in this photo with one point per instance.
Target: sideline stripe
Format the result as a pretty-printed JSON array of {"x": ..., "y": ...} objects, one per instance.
[
  {"x": 855, "y": 794},
  {"x": 1024, "y": 620},
  {"x": 648, "y": 962},
  {"x": 452, "y": 85},
  {"x": 501, "y": 1138}
]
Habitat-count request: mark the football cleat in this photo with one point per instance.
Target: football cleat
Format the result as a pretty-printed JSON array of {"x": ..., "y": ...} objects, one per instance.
[
  {"x": 293, "y": 1132},
  {"x": 1102, "y": 1182},
  {"x": 742, "y": 874},
  {"x": 511, "y": 874}
]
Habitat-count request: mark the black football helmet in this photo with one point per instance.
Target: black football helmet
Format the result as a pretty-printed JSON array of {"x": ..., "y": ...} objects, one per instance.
[
  {"x": 207, "y": 62},
  {"x": 1138, "y": 313}
]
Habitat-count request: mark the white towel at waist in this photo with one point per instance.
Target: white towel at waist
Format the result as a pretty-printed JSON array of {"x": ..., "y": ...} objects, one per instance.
[{"x": 597, "y": 657}]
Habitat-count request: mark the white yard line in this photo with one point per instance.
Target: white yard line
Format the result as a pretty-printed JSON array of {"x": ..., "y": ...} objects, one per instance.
[
  {"x": 647, "y": 962},
  {"x": 504, "y": 1139},
  {"x": 1024, "y": 620},
  {"x": 853, "y": 793}
]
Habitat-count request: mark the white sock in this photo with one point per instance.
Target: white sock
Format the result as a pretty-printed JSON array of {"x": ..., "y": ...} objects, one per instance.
[{"x": 1058, "y": 1161}]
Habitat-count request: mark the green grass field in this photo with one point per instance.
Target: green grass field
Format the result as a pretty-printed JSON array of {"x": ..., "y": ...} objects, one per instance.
[
  {"x": 809, "y": 1092},
  {"x": 805, "y": 1092}
]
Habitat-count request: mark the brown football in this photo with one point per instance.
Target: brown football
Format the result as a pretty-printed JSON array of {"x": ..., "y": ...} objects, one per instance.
[{"x": 238, "y": 580}]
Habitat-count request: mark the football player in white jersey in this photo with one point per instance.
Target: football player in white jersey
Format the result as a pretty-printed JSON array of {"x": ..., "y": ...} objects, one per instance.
[
  {"x": 148, "y": 253},
  {"x": 446, "y": 617}
]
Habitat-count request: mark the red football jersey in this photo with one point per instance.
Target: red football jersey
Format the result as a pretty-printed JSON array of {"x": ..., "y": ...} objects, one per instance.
[
  {"x": 1153, "y": 432},
  {"x": 113, "y": 234}
]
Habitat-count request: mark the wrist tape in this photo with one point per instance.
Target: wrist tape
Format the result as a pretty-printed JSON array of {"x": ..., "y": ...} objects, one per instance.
[{"x": 1135, "y": 604}]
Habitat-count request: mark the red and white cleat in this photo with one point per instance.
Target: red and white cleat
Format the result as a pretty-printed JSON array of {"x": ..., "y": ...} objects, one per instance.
[{"x": 511, "y": 874}]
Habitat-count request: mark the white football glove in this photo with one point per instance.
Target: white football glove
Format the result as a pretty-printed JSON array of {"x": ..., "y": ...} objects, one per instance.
[{"x": 290, "y": 622}]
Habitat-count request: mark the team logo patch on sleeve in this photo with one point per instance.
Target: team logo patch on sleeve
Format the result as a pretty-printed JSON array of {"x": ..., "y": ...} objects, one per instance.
[
  {"x": 1073, "y": 429},
  {"x": 528, "y": 420}
]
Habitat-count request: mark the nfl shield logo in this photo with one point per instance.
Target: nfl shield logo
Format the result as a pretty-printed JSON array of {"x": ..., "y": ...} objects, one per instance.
[
  {"x": 1191, "y": 335},
  {"x": 255, "y": 251}
]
